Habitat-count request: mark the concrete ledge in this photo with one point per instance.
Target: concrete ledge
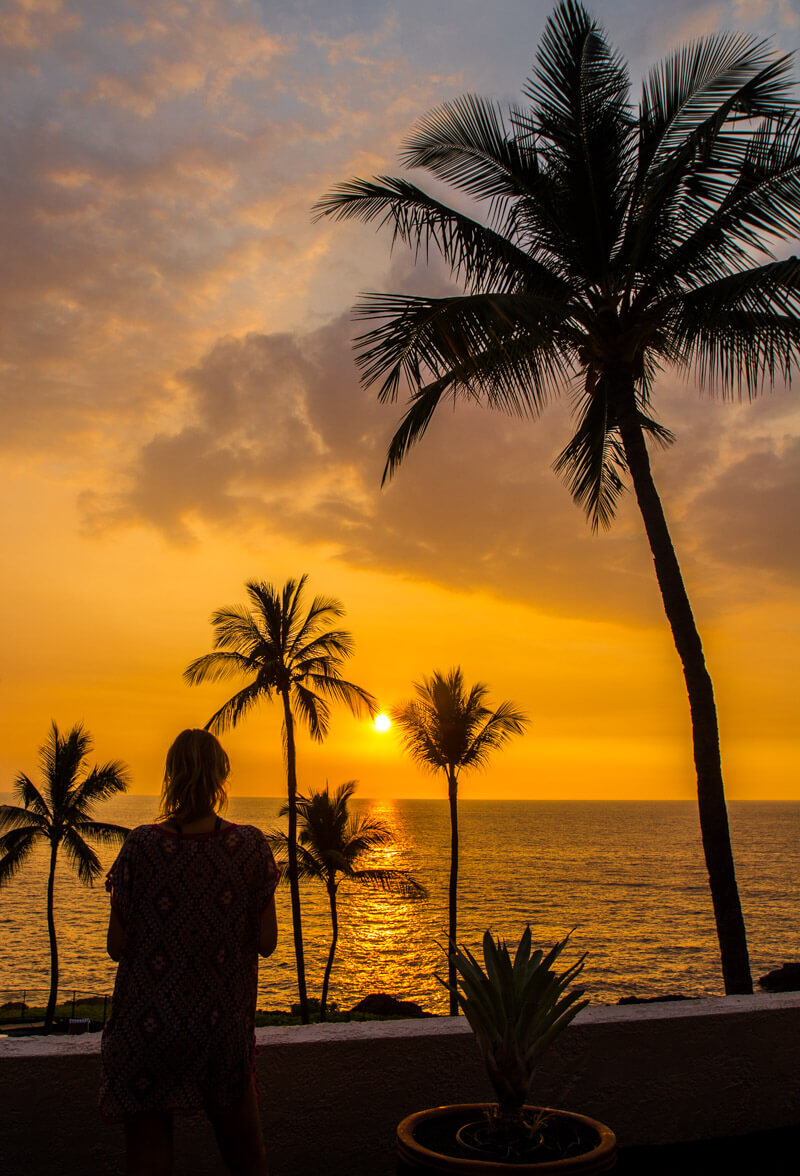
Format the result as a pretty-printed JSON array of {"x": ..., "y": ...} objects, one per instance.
[{"x": 333, "y": 1094}]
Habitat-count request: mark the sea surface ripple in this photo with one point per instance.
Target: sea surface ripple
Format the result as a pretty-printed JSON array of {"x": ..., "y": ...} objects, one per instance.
[{"x": 628, "y": 877}]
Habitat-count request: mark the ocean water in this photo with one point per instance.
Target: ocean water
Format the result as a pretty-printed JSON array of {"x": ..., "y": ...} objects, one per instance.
[{"x": 628, "y": 877}]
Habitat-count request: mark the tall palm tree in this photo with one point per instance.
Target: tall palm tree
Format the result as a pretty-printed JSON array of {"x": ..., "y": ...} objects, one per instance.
[
  {"x": 617, "y": 241},
  {"x": 61, "y": 813},
  {"x": 331, "y": 844},
  {"x": 448, "y": 728},
  {"x": 285, "y": 650}
]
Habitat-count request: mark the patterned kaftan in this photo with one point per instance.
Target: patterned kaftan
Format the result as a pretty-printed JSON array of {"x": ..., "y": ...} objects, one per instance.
[{"x": 181, "y": 1032}]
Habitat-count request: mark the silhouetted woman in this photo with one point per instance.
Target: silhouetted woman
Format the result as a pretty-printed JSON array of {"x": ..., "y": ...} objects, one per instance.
[{"x": 192, "y": 908}]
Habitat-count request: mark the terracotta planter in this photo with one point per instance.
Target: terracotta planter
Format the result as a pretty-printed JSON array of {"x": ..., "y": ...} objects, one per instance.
[{"x": 420, "y": 1155}]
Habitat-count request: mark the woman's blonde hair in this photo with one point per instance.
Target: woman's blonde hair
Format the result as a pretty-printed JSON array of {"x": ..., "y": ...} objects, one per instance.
[{"x": 196, "y": 771}]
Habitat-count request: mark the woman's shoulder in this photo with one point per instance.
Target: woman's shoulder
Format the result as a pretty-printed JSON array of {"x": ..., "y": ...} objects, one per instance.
[
  {"x": 248, "y": 838},
  {"x": 250, "y": 833},
  {"x": 143, "y": 833}
]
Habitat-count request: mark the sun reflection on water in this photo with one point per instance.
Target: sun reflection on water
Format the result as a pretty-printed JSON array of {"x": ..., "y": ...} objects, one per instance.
[{"x": 629, "y": 878}]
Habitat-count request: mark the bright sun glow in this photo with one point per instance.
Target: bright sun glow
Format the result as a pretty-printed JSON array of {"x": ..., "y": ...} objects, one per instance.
[{"x": 382, "y": 722}]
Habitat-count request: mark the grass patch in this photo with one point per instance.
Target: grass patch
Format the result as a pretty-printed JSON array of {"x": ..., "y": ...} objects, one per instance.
[{"x": 91, "y": 1007}]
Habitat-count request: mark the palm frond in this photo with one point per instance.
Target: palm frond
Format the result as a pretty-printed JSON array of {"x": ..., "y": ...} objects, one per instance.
[
  {"x": 696, "y": 122},
  {"x": 81, "y": 856},
  {"x": 290, "y": 609},
  {"x": 414, "y": 423},
  {"x": 765, "y": 197},
  {"x": 592, "y": 462},
  {"x": 321, "y": 611},
  {"x": 418, "y": 734},
  {"x": 739, "y": 353},
  {"x": 743, "y": 331},
  {"x": 765, "y": 289},
  {"x": 267, "y": 609},
  {"x": 214, "y": 667},
  {"x": 49, "y": 751},
  {"x": 15, "y": 848},
  {"x": 585, "y": 131},
  {"x": 312, "y": 711},
  {"x": 467, "y": 143},
  {"x": 690, "y": 95},
  {"x": 31, "y": 797},
  {"x": 102, "y": 831},
  {"x": 308, "y": 865},
  {"x": 506, "y": 720},
  {"x": 101, "y": 782},
  {"x": 355, "y": 698},
  {"x": 362, "y": 835},
  {"x": 507, "y": 350},
  {"x": 237, "y": 630},
  {"x": 61, "y": 759},
  {"x": 475, "y": 253},
  {"x": 336, "y": 644},
  {"x": 237, "y": 707},
  {"x": 393, "y": 881},
  {"x": 12, "y": 817},
  {"x": 717, "y": 235}
]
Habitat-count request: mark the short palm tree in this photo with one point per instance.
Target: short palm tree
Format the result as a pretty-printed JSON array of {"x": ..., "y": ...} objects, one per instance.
[
  {"x": 448, "y": 728},
  {"x": 331, "y": 845},
  {"x": 61, "y": 813},
  {"x": 617, "y": 241},
  {"x": 287, "y": 650}
]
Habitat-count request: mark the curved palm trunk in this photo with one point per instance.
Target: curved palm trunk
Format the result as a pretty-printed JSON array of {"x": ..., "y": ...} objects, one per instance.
[
  {"x": 332, "y": 952},
  {"x": 705, "y": 731},
  {"x": 294, "y": 883},
  {"x": 452, "y": 793},
  {"x": 51, "y": 928}
]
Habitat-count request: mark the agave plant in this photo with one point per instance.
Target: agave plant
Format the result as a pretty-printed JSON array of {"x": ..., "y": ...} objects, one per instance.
[{"x": 516, "y": 1010}]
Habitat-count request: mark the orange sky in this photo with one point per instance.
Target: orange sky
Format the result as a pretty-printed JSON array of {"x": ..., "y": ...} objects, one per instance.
[{"x": 181, "y": 413}]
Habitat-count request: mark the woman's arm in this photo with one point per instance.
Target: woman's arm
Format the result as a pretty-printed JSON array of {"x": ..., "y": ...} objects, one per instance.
[
  {"x": 268, "y": 931},
  {"x": 115, "y": 940}
]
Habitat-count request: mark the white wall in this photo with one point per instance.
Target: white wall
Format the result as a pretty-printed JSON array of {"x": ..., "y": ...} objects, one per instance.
[{"x": 332, "y": 1094}]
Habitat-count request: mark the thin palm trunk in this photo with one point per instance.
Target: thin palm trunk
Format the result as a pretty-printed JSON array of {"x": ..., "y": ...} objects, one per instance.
[
  {"x": 452, "y": 792},
  {"x": 705, "y": 731},
  {"x": 51, "y": 928},
  {"x": 332, "y": 951},
  {"x": 294, "y": 882}
]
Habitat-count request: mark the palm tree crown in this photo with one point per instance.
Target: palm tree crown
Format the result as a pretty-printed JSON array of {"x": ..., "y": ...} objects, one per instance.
[
  {"x": 448, "y": 727},
  {"x": 284, "y": 649},
  {"x": 332, "y": 844},
  {"x": 615, "y": 241},
  {"x": 60, "y": 813},
  {"x": 603, "y": 243}
]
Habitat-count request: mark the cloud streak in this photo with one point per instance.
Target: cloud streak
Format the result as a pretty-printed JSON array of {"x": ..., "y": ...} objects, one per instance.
[
  {"x": 171, "y": 317},
  {"x": 280, "y": 436}
]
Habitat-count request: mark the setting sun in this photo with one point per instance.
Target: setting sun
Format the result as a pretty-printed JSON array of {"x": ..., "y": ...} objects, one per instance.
[{"x": 382, "y": 723}]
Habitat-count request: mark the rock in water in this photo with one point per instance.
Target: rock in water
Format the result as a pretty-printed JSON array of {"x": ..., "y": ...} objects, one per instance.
[
  {"x": 380, "y": 1004},
  {"x": 785, "y": 979}
]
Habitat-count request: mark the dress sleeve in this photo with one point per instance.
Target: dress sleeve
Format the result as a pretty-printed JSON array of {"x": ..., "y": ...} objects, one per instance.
[
  {"x": 119, "y": 880},
  {"x": 270, "y": 873}
]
